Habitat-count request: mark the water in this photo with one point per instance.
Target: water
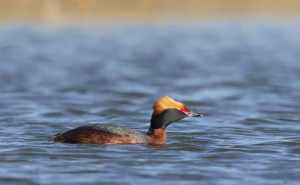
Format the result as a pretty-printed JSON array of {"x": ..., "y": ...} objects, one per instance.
[{"x": 247, "y": 78}]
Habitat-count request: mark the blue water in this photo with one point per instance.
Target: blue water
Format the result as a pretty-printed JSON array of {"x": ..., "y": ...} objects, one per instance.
[{"x": 246, "y": 77}]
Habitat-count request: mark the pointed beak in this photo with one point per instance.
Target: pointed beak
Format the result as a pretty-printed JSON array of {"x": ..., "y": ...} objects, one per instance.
[
  {"x": 189, "y": 113},
  {"x": 194, "y": 114}
]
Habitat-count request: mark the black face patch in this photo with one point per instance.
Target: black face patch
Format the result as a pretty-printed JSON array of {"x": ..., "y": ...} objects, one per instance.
[{"x": 165, "y": 118}]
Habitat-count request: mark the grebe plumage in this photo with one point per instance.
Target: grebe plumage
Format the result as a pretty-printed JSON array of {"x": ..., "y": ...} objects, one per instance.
[{"x": 165, "y": 111}]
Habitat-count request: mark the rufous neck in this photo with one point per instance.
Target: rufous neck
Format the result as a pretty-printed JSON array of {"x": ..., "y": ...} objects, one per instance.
[{"x": 157, "y": 136}]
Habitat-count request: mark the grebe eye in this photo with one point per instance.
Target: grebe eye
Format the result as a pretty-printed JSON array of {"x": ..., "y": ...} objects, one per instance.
[{"x": 185, "y": 109}]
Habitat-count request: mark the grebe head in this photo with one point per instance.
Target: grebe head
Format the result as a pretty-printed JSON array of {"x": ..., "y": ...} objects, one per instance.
[{"x": 167, "y": 110}]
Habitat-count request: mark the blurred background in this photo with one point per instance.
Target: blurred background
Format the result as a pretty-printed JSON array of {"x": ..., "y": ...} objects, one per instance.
[{"x": 141, "y": 10}]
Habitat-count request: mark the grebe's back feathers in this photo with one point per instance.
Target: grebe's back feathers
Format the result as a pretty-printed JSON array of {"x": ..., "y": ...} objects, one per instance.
[
  {"x": 84, "y": 132},
  {"x": 114, "y": 129}
]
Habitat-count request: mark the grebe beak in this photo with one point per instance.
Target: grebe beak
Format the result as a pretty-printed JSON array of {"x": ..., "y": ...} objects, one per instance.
[
  {"x": 194, "y": 114},
  {"x": 189, "y": 113}
]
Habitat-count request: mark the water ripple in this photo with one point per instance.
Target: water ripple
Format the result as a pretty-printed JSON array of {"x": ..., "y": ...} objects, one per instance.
[{"x": 247, "y": 80}]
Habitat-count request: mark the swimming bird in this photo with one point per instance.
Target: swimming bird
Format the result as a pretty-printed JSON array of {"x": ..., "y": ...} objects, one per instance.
[{"x": 166, "y": 110}]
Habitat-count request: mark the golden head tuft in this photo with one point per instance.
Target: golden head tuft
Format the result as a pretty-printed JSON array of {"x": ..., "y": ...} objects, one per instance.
[{"x": 166, "y": 102}]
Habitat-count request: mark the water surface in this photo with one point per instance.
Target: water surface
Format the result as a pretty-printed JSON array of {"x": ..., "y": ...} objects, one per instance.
[{"x": 247, "y": 78}]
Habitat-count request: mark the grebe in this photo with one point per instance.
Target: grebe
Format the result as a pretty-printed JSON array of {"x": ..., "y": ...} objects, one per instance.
[{"x": 165, "y": 111}]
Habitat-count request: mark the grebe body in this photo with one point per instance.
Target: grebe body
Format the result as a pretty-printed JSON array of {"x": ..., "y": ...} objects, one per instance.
[
  {"x": 165, "y": 111},
  {"x": 101, "y": 134}
]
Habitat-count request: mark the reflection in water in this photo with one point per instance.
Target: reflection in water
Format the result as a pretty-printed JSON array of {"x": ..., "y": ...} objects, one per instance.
[{"x": 245, "y": 78}]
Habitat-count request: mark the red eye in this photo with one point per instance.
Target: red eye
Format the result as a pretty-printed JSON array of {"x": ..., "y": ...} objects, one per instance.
[{"x": 185, "y": 109}]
